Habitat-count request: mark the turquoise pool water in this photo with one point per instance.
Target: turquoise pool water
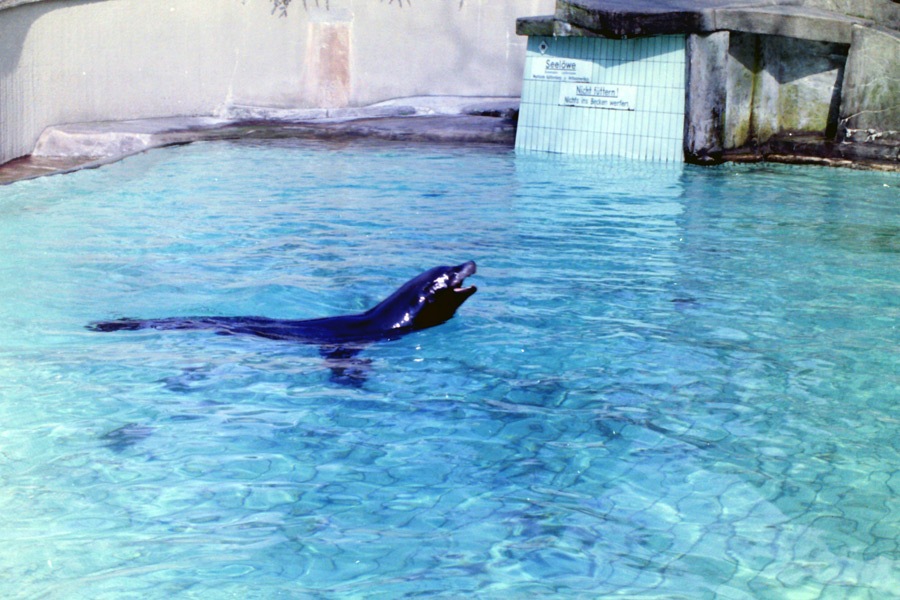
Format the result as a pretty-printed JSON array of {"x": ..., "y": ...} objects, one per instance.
[{"x": 672, "y": 383}]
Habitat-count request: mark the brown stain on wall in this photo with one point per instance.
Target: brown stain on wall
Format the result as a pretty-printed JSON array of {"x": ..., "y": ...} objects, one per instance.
[{"x": 328, "y": 49}]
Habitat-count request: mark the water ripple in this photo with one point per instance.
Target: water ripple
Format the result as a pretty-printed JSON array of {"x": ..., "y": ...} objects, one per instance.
[{"x": 673, "y": 382}]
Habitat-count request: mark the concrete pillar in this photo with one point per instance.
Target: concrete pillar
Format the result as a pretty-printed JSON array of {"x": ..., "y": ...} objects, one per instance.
[
  {"x": 707, "y": 60},
  {"x": 870, "y": 98}
]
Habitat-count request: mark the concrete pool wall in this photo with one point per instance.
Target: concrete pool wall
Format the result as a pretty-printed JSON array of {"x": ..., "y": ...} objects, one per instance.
[{"x": 71, "y": 61}]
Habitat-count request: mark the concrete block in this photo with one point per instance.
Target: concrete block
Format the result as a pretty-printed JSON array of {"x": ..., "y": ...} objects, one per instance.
[
  {"x": 707, "y": 59},
  {"x": 237, "y": 112},
  {"x": 804, "y": 81},
  {"x": 870, "y": 102},
  {"x": 779, "y": 85},
  {"x": 741, "y": 77},
  {"x": 630, "y": 18},
  {"x": 788, "y": 21},
  {"x": 538, "y": 26},
  {"x": 885, "y": 13},
  {"x": 75, "y": 144}
]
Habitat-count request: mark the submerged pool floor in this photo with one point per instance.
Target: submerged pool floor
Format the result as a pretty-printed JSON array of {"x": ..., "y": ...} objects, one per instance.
[{"x": 673, "y": 382}]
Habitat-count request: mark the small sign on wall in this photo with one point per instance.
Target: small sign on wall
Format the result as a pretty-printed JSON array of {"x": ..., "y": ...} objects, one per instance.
[
  {"x": 596, "y": 95},
  {"x": 554, "y": 68},
  {"x": 634, "y": 89}
]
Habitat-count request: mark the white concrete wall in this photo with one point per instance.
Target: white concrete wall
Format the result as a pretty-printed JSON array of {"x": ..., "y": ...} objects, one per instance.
[{"x": 65, "y": 61}]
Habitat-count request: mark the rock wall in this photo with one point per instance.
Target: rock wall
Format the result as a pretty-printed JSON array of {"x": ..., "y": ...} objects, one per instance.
[
  {"x": 793, "y": 80},
  {"x": 870, "y": 107},
  {"x": 750, "y": 93},
  {"x": 66, "y": 61},
  {"x": 780, "y": 85}
]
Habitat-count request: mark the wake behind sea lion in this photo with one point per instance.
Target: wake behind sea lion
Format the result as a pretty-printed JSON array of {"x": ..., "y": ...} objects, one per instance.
[{"x": 424, "y": 301}]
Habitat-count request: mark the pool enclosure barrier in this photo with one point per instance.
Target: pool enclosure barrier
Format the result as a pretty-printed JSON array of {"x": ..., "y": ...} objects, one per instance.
[
  {"x": 795, "y": 80},
  {"x": 603, "y": 97}
]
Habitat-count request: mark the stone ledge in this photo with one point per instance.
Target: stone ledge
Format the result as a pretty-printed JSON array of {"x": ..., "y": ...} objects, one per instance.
[
  {"x": 438, "y": 119},
  {"x": 100, "y": 140},
  {"x": 623, "y": 19},
  {"x": 799, "y": 149},
  {"x": 5, "y": 4},
  {"x": 538, "y": 26},
  {"x": 415, "y": 106},
  {"x": 789, "y": 21}
]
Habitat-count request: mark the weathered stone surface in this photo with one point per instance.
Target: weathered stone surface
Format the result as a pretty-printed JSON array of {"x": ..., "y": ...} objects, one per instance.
[
  {"x": 455, "y": 129},
  {"x": 629, "y": 18},
  {"x": 537, "y": 26},
  {"x": 4, "y": 4},
  {"x": 778, "y": 85},
  {"x": 870, "y": 102},
  {"x": 398, "y": 107},
  {"x": 886, "y": 13},
  {"x": 623, "y": 18},
  {"x": 440, "y": 119},
  {"x": 30, "y": 167},
  {"x": 776, "y": 79},
  {"x": 799, "y": 90},
  {"x": 788, "y": 21},
  {"x": 816, "y": 150},
  {"x": 707, "y": 60},
  {"x": 101, "y": 140},
  {"x": 741, "y": 76}
]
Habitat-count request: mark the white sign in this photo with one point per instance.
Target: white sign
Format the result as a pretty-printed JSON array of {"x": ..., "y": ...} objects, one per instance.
[
  {"x": 554, "y": 68},
  {"x": 598, "y": 95}
]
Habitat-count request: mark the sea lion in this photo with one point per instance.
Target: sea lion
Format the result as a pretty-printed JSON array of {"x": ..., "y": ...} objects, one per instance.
[{"x": 424, "y": 301}]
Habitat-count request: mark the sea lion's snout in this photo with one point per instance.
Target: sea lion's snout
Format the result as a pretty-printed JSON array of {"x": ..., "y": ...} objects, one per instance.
[{"x": 462, "y": 271}]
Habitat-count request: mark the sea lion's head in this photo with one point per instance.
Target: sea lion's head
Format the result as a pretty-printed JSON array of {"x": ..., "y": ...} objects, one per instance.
[{"x": 428, "y": 299}]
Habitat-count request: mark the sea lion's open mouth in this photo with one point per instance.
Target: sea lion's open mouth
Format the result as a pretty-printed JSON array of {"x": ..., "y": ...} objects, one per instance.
[{"x": 464, "y": 271}]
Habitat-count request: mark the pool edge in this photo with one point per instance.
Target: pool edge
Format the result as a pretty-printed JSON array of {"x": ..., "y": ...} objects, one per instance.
[{"x": 68, "y": 148}]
